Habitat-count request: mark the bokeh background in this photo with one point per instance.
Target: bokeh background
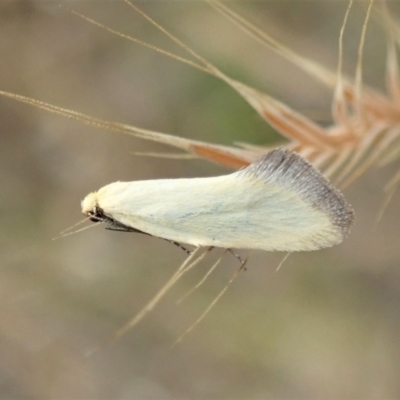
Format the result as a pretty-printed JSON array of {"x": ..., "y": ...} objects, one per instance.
[{"x": 326, "y": 326}]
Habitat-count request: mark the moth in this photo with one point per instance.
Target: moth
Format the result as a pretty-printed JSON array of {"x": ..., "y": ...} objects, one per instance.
[{"x": 280, "y": 202}]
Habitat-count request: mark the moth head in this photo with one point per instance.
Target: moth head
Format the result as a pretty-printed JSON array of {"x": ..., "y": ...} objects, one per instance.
[{"x": 91, "y": 209}]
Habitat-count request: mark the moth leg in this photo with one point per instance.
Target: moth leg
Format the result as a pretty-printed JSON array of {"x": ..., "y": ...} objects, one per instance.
[
  {"x": 180, "y": 246},
  {"x": 189, "y": 252},
  {"x": 239, "y": 258},
  {"x": 113, "y": 225}
]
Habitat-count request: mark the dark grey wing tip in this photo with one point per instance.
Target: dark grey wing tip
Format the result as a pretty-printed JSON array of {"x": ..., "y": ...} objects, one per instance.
[{"x": 296, "y": 174}]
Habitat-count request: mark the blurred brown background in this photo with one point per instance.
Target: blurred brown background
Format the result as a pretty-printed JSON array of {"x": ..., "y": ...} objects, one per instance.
[{"x": 326, "y": 326}]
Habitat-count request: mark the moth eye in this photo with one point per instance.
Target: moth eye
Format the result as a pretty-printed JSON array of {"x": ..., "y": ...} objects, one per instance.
[
  {"x": 95, "y": 215},
  {"x": 93, "y": 218}
]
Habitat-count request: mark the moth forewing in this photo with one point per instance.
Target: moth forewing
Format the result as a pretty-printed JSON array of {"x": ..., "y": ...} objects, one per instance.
[{"x": 280, "y": 202}]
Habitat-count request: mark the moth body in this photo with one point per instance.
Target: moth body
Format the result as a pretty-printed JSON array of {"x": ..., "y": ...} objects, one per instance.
[{"x": 280, "y": 202}]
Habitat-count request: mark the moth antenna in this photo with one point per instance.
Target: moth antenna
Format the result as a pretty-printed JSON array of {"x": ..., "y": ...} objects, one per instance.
[
  {"x": 75, "y": 225},
  {"x": 77, "y": 231}
]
